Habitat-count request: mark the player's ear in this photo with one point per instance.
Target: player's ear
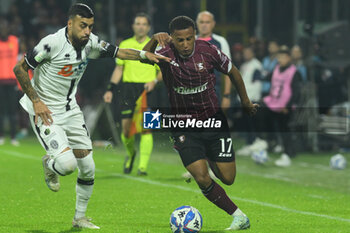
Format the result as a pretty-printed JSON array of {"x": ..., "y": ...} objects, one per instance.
[{"x": 70, "y": 23}]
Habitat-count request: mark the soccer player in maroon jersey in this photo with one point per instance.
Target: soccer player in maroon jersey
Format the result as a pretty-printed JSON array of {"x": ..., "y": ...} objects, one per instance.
[{"x": 190, "y": 81}]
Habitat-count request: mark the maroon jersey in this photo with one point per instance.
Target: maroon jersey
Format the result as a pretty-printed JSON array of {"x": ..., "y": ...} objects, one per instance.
[{"x": 191, "y": 80}]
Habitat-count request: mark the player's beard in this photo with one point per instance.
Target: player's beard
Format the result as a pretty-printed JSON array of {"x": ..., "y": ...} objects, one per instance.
[{"x": 79, "y": 43}]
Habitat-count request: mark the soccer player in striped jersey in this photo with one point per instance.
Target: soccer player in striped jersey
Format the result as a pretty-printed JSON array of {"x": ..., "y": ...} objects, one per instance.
[
  {"x": 205, "y": 25},
  {"x": 59, "y": 61},
  {"x": 190, "y": 81}
]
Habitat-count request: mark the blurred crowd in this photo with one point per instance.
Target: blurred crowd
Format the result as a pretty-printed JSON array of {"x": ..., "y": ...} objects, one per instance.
[{"x": 30, "y": 20}]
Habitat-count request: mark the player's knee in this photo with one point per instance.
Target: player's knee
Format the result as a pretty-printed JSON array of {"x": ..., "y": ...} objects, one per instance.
[
  {"x": 203, "y": 180},
  {"x": 81, "y": 153},
  {"x": 86, "y": 167},
  {"x": 228, "y": 180},
  {"x": 65, "y": 163}
]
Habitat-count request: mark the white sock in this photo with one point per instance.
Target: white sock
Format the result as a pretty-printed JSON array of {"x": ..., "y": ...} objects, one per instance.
[
  {"x": 84, "y": 191},
  {"x": 238, "y": 212},
  {"x": 83, "y": 195}
]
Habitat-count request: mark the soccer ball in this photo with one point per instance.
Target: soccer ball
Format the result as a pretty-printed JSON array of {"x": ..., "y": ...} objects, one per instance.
[
  {"x": 186, "y": 219},
  {"x": 260, "y": 156},
  {"x": 338, "y": 162}
]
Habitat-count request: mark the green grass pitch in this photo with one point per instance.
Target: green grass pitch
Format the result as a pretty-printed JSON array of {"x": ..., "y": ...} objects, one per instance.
[{"x": 306, "y": 197}]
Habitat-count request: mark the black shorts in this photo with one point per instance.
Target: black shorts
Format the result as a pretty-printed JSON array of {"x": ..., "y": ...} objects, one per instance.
[
  {"x": 206, "y": 144},
  {"x": 130, "y": 92}
]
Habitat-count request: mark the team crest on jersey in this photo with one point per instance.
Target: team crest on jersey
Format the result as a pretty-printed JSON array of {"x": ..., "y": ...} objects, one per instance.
[
  {"x": 54, "y": 144},
  {"x": 200, "y": 66}
]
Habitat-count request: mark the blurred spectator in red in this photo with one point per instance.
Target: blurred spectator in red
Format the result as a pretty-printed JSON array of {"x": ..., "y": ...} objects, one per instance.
[{"x": 8, "y": 95}]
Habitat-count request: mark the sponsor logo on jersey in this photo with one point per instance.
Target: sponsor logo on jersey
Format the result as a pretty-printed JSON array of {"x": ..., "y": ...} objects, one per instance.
[
  {"x": 68, "y": 70},
  {"x": 225, "y": 154},
  {"x": 191, "y": 90},
  {"x": 67, "y": 57}
]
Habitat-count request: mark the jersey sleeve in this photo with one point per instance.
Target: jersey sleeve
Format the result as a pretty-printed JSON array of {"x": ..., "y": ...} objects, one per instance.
[
  {"x": 101, "y": 48},
  {"x": 42, "y": 52},
  {"x": 221, "y": 61}
]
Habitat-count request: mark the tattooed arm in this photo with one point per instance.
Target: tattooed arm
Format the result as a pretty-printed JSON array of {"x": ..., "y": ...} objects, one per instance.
[
  {"x": 40, "y": 109},
  {"x": 133, "y": 54},
  {"x": 21, "y": 72}
]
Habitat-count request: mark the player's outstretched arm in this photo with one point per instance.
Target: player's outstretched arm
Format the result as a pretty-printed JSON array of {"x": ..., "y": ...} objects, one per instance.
[
  {"x": 237, "y": 80},
  {"x": 133, "y": 54},
  {"x": 40, "y": 109}
]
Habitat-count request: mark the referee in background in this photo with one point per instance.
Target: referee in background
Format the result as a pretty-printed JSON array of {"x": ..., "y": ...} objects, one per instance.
[{"x": 136, "y": 77}]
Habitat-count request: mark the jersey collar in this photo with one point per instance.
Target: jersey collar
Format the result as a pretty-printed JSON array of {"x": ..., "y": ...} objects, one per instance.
[{"x": 66, "y": 34}]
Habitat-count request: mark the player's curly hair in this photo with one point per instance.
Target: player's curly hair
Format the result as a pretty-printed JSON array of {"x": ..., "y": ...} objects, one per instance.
[
  {"x": 181, "y": 22},
  {"x": 80, "y": 9}
]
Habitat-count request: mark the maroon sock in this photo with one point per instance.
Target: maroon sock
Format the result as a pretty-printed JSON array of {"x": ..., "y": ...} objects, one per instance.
[{"x": 218, "y": 196}]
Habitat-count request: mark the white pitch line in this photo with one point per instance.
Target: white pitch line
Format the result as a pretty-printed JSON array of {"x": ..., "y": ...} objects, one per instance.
[
  {"x": 20, "y": 155},
  {"x": 317, "y": 166},
  {"x": 153, "y": 182}
]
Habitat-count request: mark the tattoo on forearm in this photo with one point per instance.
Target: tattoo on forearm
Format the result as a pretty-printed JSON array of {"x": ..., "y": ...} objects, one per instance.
[
  {"x": 22, "y": 76},
  {"x": 132, "y": 54}
]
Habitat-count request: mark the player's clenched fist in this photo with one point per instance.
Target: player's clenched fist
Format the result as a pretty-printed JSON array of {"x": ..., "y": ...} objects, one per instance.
[{"x": 250, "y": 108}]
